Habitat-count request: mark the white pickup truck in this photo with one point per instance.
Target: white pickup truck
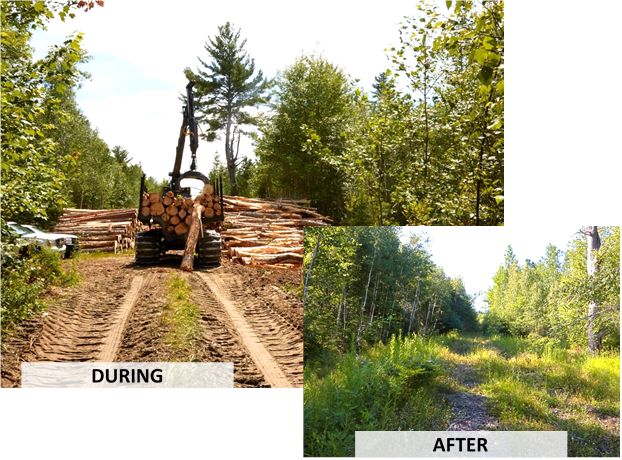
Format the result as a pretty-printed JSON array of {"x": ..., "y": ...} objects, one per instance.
[
  {"x": 71, "y": 241},
  {"x": 53, "y": 241}
]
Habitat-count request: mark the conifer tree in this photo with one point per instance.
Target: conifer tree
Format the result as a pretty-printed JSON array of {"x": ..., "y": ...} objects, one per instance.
[{"x": 224, "y": 87}]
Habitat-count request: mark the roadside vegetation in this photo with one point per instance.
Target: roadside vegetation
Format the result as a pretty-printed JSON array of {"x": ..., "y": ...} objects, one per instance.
[
  {"x": 51, "y": 156},
  {"x": 26, "y": 279},
  {"x": 389, "y": 339},
  {"x": 402, "y": 386}
]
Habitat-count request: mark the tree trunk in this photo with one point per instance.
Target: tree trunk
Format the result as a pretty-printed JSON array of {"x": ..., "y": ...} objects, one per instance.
[
  {"x": 229, "y": 152},
  {"x": 358, "y": 334},
  {"x": 414, "y": 307},
  {"x": 193, "y": 235},
  {"x": 593, "y": 245},
  {"x": 310, "y": 270}
]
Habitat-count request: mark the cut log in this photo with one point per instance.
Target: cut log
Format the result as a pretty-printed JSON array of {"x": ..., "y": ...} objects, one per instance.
[
  {"x": 208, "y": 189},
  {"x": 182, "y": 213},
  {"x": 208, "y": 212},
  {"x": 193, "y": 235},
  {"x": 288, "y": 258},
  {"x": 188, "y": 220},
  {"x": 174, "y": 220},
  {"x": 165, "y": 217},
  {"x": 157, "y": 209},
  {"x": 167, "y": 201},
  {"x": 154, "y": 198},
  {"x": 172, "y": 210},
  {"x": 181, "y": 229},
  {"x": 97, "y": 244},
  {"x": 170, "y": 194},
  {"x": 145, "y": 202},
  {"x": 145, "y": 211}
]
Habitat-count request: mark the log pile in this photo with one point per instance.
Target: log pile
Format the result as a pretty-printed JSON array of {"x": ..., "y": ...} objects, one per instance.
[
  {"x": 266, "y": 231},
  {"x": 176, "y": 212},
  {"x": 105, "y": 230}
]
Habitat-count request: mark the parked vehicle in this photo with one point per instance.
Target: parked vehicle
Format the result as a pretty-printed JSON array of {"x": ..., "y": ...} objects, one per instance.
[
  {"x": 51, "y": 240},
  {"x": 71, "y": 241}
]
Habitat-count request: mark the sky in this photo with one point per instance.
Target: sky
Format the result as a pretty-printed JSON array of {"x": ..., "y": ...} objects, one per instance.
[{"x": 474, "y": 254}]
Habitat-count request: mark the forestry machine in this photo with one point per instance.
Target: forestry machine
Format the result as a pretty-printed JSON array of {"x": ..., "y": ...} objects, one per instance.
[{"x": 153, "y": 208}]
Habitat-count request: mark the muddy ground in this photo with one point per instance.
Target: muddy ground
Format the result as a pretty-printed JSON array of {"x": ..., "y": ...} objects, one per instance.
[{"x": 250, "y": 316}]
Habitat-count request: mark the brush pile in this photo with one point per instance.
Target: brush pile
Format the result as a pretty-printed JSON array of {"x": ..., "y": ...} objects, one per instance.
[
  {"x": 106, "y": 230},
  {"x": 265, "y": 231}
]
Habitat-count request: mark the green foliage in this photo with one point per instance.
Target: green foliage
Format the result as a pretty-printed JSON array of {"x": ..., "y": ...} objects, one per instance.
[
  {"x": 26, "y": 279},
  {"x": 366, "y": 286},
  {"x": 386, "y": 387},
  {"x": 153, "y": 186},
  {"x": 547, "y": 300},
  {"x": 32, "y": 172},
  {"x": 303, "y": 141},
  {"x": 247, "y": 179},
  {"x": 426, "y": 148}
]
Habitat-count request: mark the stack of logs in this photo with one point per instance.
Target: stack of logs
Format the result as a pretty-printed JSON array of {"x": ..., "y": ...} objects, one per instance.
[
  {"x": 265, "y": 231},
  {"x": 176, "y": 212},
  {"x": 106, "y": 230}
]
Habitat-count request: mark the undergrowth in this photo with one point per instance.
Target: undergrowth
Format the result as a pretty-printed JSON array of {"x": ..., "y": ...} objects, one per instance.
[
  {"x": 181, "y": 316},
  {"x": 25, "y": 280},
  {"x": 402, "y": 386},
  {"x": 384, "y": 388}
]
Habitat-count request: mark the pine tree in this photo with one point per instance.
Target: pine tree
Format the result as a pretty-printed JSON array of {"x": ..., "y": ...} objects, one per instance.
[{"x": 224, "y": 89}]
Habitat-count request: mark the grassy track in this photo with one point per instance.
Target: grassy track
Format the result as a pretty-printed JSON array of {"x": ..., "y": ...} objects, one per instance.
[
  {"x": 181, "y": 316},
  {"x": 404, "y": 386}
]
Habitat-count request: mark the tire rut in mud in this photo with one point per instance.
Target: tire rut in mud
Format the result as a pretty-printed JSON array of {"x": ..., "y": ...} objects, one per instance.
[
  {"x": 282, "y": 339},
  {"x": 113, "y": 315},
  {"x": 144, "y": 337},
  {"x": 76, "y": 327}
]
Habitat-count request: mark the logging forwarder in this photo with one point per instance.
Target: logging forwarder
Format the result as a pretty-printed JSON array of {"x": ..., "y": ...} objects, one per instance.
[{"x": 176, "y": 220}]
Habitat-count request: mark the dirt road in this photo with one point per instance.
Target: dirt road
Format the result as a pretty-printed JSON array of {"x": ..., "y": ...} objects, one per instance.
[{"x": 248, "y": 316}]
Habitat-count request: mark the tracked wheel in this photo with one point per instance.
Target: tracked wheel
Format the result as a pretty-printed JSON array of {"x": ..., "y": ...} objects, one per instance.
[
  {"x": 147, "y": 248},
  {"x": 209, "y": 249}
]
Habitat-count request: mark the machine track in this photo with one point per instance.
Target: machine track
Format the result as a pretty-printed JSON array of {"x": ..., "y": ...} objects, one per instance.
[{"x": 116, "y": 315}]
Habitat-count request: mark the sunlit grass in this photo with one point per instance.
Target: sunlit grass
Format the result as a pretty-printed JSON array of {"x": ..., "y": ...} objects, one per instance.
[
  {"x": 527, "y": 388},
  {"x": 387, "y": 387}
]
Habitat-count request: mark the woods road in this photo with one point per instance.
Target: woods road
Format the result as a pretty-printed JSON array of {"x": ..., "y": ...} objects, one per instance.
[{"x": 247, "y": 316}]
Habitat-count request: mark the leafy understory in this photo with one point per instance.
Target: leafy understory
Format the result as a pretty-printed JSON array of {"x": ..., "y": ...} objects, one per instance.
[{"x": 406, "y": 385}]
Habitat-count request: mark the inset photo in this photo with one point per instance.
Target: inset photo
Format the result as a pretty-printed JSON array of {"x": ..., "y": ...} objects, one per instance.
[{"x": 462, "y": 329}]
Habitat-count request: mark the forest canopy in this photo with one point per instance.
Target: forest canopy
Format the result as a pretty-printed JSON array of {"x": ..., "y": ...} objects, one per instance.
[
  {"x": 424, "y": 147},
  {"x": 548, "y": 299},
  {"x": 362, "y": 285}
]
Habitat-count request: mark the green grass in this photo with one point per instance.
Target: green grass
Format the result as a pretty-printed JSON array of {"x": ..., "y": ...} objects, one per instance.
[
  {"x": 181, "y": 317},
  {"x": 392, "y": 387},
  {"x": 402, "y": 386},
  {"x": 79, "y": 255},
  {"x": 552, "y": 389}
]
